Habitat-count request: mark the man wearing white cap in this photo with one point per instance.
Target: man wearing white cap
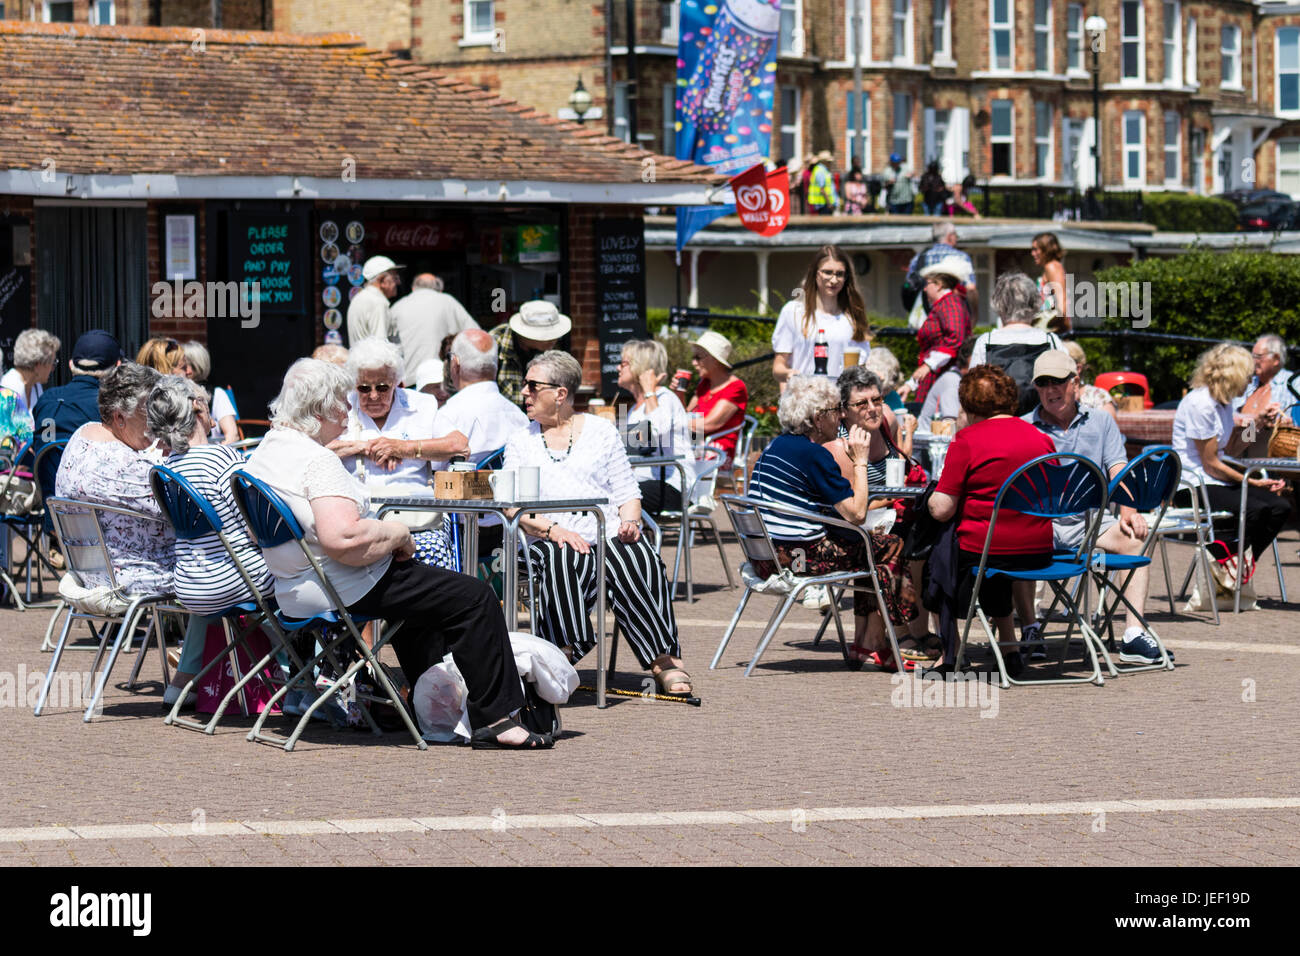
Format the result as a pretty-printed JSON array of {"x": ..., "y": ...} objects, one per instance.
[
  {"x": 536, "y": 327},
  {"x": 368, "y": 313},
  {"x": 424, "y": 318},
  {"x": 1093, "y": 434}
]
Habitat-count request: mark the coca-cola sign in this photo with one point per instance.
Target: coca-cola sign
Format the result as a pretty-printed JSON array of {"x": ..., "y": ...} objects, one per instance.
[{"x": 415, "y": 235}]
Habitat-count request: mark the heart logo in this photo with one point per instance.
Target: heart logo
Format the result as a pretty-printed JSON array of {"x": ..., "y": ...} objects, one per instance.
[
  {"x": 752, "y": 198},
  {"x": 776, "y": 198}
]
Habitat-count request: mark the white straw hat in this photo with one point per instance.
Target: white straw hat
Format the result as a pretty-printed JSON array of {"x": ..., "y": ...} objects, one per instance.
[
  {"x": 541, "y": 321},
  {"x": 717, "y": 345}
]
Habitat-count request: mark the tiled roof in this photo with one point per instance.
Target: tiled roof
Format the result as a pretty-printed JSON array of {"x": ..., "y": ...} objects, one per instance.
[{"x": 133, "y": 100}]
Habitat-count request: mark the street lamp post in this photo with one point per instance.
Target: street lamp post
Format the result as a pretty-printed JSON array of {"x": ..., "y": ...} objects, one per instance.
[
  {"x": 580, "y": 100},
  {"x": 1095, "y": 26}
]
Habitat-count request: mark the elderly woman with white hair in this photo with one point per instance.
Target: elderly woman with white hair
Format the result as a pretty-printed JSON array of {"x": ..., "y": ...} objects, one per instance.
[
  {"x": 35, "y": 352},
  {"x": 796, "y": 470},
  {"x": 368, "y": 561},
  {"x": 642, "y": 371},
  {"x": 1017, "y": 344},
  {"x": 582, "y": 456},
  {"x": 224, "y": 427}
]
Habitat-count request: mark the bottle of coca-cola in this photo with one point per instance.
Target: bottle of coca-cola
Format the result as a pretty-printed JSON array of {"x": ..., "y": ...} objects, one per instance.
[{"x": 820, "y": 353}]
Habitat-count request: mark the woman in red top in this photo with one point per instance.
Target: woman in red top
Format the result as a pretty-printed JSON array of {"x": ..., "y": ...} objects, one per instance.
[
  {"x": 992, "y": 445},
  {"x": 721, "y": 397},
  {"x": 947, "y": 326}
]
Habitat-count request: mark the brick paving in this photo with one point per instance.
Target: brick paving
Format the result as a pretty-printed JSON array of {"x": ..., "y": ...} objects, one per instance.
[{"x": 803, "y": 732}]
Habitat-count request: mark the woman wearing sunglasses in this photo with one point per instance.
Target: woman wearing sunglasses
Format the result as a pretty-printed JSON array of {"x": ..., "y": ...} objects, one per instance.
[{"x": 582, "y": 456}]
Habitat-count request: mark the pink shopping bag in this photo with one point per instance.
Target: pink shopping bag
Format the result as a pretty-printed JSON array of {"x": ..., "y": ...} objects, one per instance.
[{"x": 218, "y": 681}]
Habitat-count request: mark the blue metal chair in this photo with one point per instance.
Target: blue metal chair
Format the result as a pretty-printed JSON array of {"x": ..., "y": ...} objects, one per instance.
[
  {"x": 192, "y": 516},
  {"x": 1147, "y": 484},
  {"x": 28, "y": 525},
  {"x": 492, "y": 460},
  {"x": 273, "y": 524},
  {"x": 1057, "y": 485}
]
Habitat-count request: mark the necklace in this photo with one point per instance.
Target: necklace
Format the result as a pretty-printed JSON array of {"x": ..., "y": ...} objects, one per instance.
[{"x": 568, "y": 448}]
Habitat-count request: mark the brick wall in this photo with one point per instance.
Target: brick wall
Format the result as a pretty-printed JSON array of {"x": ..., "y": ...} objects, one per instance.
[
  {"x": 235, "y": 14},
  {"x": 176, "y": 326},
  {"x": 383, "y": 24},
  {"x": 582, "y": 287},
  {"x": 526, "y": 29}
]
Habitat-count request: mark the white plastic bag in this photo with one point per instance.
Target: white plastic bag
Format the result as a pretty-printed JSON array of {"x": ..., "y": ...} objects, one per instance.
[
  {"x": 440, "y": 702},
  {"x": 545, "y": 665}
]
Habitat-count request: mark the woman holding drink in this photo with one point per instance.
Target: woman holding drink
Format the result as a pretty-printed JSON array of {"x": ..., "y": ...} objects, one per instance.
[{"x": 829, "y": 319}]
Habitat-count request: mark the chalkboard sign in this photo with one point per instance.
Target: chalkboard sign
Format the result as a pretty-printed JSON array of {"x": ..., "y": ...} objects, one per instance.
[
  {"x": 620, "y": 292},
  {"x": 270, "y": 249}
]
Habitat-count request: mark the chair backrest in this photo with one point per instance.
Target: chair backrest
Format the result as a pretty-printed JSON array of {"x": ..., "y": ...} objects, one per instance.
[
  {"x": 189, "y": 512},
  {"x": 47, "y": 459},
  {"x": 1056, "y": 485},
  {"x": 1149, "y": 481},
  {"x": 79, "y": 527},
  {"x": 493, "y": 460}
]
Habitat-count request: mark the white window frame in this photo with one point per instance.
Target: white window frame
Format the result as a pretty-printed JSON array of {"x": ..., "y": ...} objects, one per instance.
[
  {"x": 1277, "y": 73},
  {"x": 995, "y": 140},
  {"x": 1070, "y": 156},
  {"x": 1009, "y": 27},
  {"x": 1189, "y": 68},
  {"x": 1281, "y": 167},
  {"x": 904, "y": 20},
  {"x": 1172, "y": 47},
  {"x": 866, "y": 32},
  {"x": 1049, "y": 165},
  {"x": 1233, "y": 82},
  {"x": 1044, "y": 29},
  {"x": 621, "y": 127},
  {"x": 903, "y": 133},
  {"x": 1129, "y": 147},
  {"x": 1175, "y": 149},
  {"x": 95, "y": 17},
  {"x": 941, "y": 32},
  {"x": 1076, "y": 37},
  {"x": 668, "y": 33},
  {"x": 471, "y": 38},
  {"x": 786, "y": 126},
  {"x": 45, "y": 9},
  {"x": 668, "y": 111},
  {"x": 798, "y": 38},
  {"x": 851, "y": 130},
  {"x": 1140, "y": 38}
]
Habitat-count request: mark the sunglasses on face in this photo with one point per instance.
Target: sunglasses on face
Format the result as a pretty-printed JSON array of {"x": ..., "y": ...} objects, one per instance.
[
  {"x": 1053, "y": 382},
  {"x": 531, "y": 386},
  {"x": 379, "y": 389}
]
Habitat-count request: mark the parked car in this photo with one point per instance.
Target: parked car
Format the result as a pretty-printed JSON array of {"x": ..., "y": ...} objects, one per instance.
[
  {"x": 1248, "y": 197},
  {"x": 1269, "y": 215}
]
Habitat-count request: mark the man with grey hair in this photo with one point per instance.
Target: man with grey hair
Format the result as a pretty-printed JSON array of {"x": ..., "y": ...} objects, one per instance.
[
  {"x": 477, "y": 412},
  {"x": 943, "y": 235},
  {"x": 1267, "y": 397},
  {"x": 369, "y": 314},
  {"x": 424, "y": 318}
]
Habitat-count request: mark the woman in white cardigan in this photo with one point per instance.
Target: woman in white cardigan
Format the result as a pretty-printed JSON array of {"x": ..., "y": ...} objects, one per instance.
[
  {"x": 642, "y": 372},
  {"x": 582, "y": 456}
]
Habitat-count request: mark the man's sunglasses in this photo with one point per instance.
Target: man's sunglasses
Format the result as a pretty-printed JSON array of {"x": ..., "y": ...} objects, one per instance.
[
  {"x": 531, "y": 386},
  {"x": 380, "y": 389},
  {"x": 1046, "y": 382}
]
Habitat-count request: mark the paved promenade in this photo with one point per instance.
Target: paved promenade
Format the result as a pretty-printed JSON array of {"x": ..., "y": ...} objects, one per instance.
[{"x": 805, "y": 762}]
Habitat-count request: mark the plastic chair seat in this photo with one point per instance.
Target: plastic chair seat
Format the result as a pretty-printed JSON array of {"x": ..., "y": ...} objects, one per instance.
[
  {"x": 324, "y": 617},
  {"x": 1052, "y": 572}
]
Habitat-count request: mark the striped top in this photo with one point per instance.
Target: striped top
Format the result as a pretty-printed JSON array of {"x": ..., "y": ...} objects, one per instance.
[
  {"x": 206, "y": 579},
  {"x": 795, "y": 471}
]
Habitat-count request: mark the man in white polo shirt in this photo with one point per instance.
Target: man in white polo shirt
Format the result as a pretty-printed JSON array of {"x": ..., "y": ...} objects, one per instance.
[{"x": 368, "y": 313}]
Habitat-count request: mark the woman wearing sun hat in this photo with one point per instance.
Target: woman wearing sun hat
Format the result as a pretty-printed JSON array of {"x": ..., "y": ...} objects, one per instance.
[{"x": 720, "y": 397}]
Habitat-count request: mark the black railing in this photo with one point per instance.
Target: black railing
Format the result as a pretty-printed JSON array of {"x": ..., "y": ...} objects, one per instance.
[{"x": 1054, "y": 202}]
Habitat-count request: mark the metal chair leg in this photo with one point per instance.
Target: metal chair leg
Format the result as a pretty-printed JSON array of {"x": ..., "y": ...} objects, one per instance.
[
  {"x": 731, "y": 628},
  {"x": 773, "y": 623}
]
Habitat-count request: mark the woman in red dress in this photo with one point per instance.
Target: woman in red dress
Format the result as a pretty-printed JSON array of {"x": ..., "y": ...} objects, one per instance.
[
  {"x": 947, "y": 326},
  {"x": 720, "y": 398}
]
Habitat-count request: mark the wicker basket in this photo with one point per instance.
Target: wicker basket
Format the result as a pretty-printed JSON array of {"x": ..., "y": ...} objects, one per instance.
[{"x": 1285, "y": 442}]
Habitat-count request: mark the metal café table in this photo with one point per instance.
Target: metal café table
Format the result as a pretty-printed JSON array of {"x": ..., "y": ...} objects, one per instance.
[
  {"x": 677, "y": 462},
  {"x": 474, "y": 507},
  {"x": 1249, "y": 466}
]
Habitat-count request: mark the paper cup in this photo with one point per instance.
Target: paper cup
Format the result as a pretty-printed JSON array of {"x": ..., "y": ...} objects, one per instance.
[
  {"x": 528, "y": 483},
  {"x": 894, "y": 472}
]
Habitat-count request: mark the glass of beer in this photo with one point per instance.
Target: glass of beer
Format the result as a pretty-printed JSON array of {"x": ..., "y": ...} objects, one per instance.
[{"x": 852, "y": 357}]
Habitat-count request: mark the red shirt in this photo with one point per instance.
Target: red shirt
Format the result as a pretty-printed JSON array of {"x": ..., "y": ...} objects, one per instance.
[
  {"x": 980, "y": 459},
  {"x": 735, "y": 392}
]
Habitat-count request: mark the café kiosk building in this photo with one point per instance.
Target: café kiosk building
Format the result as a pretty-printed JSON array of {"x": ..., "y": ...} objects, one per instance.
[{"x": 143, "y": 170}]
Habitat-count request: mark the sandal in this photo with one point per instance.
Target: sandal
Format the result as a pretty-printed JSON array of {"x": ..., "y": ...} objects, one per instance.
[
  {"x": 920, "y": 649},
  {"x": 674, "y": 675},
  {"x": 488, "y": 738},
  {"x": 887, "y": 664}
]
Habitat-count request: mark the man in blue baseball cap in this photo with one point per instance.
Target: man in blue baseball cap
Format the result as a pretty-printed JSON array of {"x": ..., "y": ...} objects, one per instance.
[{"x": 61, "y": 411}]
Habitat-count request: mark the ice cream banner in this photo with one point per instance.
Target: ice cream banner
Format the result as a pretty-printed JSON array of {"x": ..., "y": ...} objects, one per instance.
[
  {"x": 726, "y": 72},
  {"x": 762, "y": 199}
]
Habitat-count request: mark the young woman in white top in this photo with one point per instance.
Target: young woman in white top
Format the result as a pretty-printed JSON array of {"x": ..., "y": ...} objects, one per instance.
[
  {"x": 582, "y": 456},
  {"x": 829, "y": 301},
  {"x": 35, "y": 352},
  {"x": 1204, "y": 433},
  {"x": 642, "y": 371}
]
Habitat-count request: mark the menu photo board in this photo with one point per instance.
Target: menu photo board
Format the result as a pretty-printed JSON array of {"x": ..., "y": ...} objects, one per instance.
[
  {"x": 269, "y": 249},
  {"x": 620, "y": 292}
]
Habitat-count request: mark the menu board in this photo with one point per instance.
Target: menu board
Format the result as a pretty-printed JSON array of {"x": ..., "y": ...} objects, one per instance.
[
  {"x": 269, "y": 248},
  {"x": 620, "y": 293}
]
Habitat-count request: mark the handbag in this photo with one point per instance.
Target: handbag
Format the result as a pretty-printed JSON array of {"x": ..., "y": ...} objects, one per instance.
[
  {"x": 925, "y": 530},
  {"x": 1284, "y": 442},
  {"x": 20, "y": 495}
]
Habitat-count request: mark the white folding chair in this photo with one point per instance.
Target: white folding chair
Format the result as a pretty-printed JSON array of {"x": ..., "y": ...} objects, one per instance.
[
  {"x": 79, "y": 526},
  {"x": 699, "y": 514},
  {"x": 746, "y": 516}
]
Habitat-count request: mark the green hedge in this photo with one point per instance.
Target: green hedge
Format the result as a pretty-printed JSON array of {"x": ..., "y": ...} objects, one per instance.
[
  {"x": 1180, "y": 212},
  {"x": 1237, "y": 295}
]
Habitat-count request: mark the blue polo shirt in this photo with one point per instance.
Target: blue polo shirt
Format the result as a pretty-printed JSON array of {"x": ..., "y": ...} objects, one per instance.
[
  {"x": 68, "y": 407},
  {"x": 1092, "y": 433}
]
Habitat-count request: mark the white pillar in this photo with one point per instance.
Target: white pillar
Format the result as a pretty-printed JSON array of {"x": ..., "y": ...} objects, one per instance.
[
  {"x": 693, "y": 300},
  {"x": 762, "y": 256}
]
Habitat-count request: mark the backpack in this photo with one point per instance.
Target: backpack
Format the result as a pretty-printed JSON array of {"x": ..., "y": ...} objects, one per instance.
[{"x": 1017, "y": 360}]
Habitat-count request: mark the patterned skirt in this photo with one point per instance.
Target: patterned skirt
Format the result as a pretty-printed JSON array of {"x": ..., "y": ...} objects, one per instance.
[
  {"x": 437, "y": 548},
  {"x": 828, "y": 554}
]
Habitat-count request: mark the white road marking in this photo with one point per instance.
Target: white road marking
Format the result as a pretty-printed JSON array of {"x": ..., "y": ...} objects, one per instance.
[{"x": 560, "y": 821}]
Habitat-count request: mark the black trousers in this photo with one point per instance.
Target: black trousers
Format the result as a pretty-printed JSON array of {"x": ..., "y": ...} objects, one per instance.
[
  {"x": 445, "y": 611},
  {"x": 1266, "y": 514},
  {"x": 995, "y": 592},
  {"x": 657, "y": 496}
]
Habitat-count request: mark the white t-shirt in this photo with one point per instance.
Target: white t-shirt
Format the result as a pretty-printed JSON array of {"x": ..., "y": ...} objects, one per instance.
[
  {"x": 369, "y": 315},
  {"x": 1199, "y": 416},
  {"x": 670, "y": 427},
  {"x": 299, "y": 469},
  {"x": 483, "y": 415},
  {"x": 409, "y": 419},
  {"x": 788, "y": 337},
  {"x": 13, "y": 380},
  {"x": 1018, "y": 334},
  {"x": 221, "y": 407},
  {"x": 595, "y": 467}
]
